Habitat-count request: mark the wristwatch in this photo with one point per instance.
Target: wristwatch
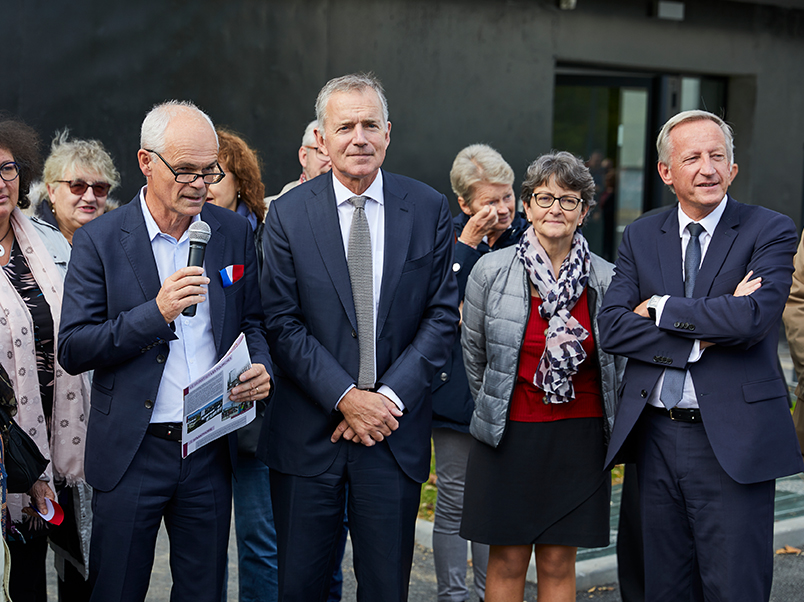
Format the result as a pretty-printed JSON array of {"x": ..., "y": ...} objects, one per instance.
[{"x": 653, "y": 303}]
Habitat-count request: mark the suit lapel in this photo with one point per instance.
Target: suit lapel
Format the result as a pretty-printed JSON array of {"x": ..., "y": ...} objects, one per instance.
[
  {"x": 399, "y": 214},
  {"x": 722, "y": 241},
  {"x": 322, "y": 213},
  {"x": 137, "y": 247},
  {"x": 213, "y": 262},
  {"x": 669, "y": 249}
]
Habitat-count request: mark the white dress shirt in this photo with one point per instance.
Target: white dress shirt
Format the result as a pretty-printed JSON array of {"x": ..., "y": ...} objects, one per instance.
[
  {"x": 709, "y": 223},
  {"x": 193, "y": 352},
  {"x": 375, "y": 215}
]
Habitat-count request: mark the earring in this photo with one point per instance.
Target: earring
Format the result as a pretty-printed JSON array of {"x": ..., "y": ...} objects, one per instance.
[{"x": 238, "y": 195}]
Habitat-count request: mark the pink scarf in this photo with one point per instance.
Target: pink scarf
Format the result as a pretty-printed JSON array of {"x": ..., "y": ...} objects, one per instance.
[{"x": 18, "y": 355}]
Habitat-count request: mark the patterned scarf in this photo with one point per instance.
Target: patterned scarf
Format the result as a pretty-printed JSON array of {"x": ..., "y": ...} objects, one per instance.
[
  {"x": 17, "y": 352},
  {"x": 563, "y": 352}
]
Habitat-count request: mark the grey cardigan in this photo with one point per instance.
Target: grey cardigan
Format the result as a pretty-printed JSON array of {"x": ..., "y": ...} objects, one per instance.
[{"x": 495, "y": 313}]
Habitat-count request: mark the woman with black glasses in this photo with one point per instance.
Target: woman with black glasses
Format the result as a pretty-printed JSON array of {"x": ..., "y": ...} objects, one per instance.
[
  {"x": 52, "y": 404},
  {"x": 78, "y": 176},
  {"x": 544, "y": 391}
]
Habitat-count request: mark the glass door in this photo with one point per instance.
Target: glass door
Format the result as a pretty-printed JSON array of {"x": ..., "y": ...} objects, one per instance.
[{"x": 605, "y": 120}]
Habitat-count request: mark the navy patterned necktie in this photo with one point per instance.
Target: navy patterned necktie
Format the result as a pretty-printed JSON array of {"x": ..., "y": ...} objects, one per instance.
[
  {"x": 673, "y": 385},
  {"x": 361, "y": 273}
]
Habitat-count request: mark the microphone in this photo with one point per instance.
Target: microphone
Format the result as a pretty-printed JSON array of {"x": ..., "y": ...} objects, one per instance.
[{"x": 199, "y": 234}]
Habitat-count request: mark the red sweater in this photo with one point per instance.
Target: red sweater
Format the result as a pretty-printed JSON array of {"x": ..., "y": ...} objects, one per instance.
[{"x": 527, "y": 403}]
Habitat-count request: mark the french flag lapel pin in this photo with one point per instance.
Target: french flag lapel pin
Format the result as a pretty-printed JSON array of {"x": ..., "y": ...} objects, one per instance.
[{"x": 231, "y": 274}]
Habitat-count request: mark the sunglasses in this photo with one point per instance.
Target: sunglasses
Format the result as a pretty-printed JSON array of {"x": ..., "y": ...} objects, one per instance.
[{"x": 79, "y": 187}]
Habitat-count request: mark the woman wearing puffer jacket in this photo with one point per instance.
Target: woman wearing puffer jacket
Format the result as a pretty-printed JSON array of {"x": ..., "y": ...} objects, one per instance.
[{"x": 544, "y": 392}]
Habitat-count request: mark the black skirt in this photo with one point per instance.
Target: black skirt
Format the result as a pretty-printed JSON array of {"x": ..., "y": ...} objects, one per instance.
[{"x": 544, "y": 484}]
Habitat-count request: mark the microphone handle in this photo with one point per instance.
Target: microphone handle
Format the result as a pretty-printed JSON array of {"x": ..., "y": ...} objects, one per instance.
[{"x": 195, "y": 258}]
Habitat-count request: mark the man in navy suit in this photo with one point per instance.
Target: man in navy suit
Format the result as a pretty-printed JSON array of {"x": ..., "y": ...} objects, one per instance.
[
  {"x": 703, "y": 408},
  {"x": 329, "y": 425},
  {"x": 125, "y": 289}
]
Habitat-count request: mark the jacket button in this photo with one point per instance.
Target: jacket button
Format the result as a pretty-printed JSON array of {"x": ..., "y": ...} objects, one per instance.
[
  {"x": 692, "y": 326},
  {"x": 149, "y": 404},
  {"x": 444, "y": 376},
  {"x": 643, "y": 393},
  {"x": 656, "y": 358},
  {"x": 677, "y": 324},
  {"x": 160, "y": 359},
  {"x": 354, "y": 334},
  {"x": 456, "y": 267}
]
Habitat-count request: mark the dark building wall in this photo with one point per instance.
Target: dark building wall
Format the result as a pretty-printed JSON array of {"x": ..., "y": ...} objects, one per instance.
[{"x": 455, "y": 72}]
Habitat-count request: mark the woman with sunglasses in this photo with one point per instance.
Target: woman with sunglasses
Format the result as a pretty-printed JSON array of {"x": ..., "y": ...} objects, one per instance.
[
  {"x": 78, "y": 175},
  {"x": 52, "y": 403},
  {"x": 544, "y": 391}
]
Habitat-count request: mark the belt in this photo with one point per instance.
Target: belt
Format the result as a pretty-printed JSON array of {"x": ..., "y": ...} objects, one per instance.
[
  {"x": 165, "y": 430},
  {"x": 692, "y": 415}
]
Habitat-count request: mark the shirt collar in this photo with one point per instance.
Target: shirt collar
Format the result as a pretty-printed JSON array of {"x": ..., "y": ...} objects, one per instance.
[
  {"x": 709, "y": 223},
  {"x": 374, "y": 192},
  {"x": 150, "y": 222}
]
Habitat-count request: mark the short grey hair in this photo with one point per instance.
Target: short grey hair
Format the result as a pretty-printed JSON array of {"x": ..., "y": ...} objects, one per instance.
[
  {"x": 569, "y": 172},
  {"x": 78, "y": 155},
  {"x": 155, "y": 124},
  {"x": 664, "y": 146},
  {"x": 478, "y": 164},
  {"x": 354, "y": 82},
  {"x": 308, "y": 139}
]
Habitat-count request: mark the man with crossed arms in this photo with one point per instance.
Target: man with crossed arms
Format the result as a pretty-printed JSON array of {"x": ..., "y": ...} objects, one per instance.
[{"x": 695, "y": 305}]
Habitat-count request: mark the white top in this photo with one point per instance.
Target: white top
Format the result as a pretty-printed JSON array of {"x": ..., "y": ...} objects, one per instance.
[
  {"x": 193, "y": 352},
  {"x": 375, "y": 215},
  {"x": 709, "y": 223}
]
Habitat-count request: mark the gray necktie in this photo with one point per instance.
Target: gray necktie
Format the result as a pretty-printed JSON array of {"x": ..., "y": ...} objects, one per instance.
[
  {"x": 673, "y": 386},
  {"x": 361, "y": 273}
]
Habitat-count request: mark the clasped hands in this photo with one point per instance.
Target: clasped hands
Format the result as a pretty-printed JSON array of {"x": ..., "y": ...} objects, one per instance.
[
  {"x": 368, "y": 417},
  {"x": 744, "y": 288}
]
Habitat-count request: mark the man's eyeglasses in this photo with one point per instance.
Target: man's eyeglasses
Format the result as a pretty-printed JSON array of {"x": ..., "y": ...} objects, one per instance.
[
  {"x": 189, "y": 178},
  {"x": 545, "y": 200},
  {"x": 318, "y": 152},
  {"x": 79, "y": 187},
  {"x": 9, "y": 171}
]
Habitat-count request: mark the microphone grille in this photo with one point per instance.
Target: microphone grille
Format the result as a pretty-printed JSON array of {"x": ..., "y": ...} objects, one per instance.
[{"x": 199, "y": 232}]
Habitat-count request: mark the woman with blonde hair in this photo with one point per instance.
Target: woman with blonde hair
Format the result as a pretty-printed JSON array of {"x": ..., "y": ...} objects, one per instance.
[
  {"x": 78, "y": 176},
  {"x": 483, "y": 184}
]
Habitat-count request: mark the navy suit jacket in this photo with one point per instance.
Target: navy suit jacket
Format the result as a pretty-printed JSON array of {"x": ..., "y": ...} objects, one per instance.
[
  {"x": 741, "y": 394},
  {"x": 312, "y": 328},
  {"x": 111, "y": 324}
]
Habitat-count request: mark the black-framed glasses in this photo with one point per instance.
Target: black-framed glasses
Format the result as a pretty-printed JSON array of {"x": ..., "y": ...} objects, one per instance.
[
  {"x": 545, "y": 200},
  {"x": 79, "y": 187},
  {"x": 9, "y": 171},
  {"x": 189, "y": 178}
]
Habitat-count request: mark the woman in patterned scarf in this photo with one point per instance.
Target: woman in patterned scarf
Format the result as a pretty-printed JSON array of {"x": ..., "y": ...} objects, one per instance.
[
  {"x": 544, "y": 391},
  {"x": 52, "y": 404}
]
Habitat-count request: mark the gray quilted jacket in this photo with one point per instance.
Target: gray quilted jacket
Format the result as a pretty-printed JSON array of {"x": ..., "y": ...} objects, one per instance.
[{"x": 495, "y": 313}]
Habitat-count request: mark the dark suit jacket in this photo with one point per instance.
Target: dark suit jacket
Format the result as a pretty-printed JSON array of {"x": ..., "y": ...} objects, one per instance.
[
  {"x": 742, "y": 397},
  {"x": 311, "y": 324},
  {"x": 112, "y": 325}
]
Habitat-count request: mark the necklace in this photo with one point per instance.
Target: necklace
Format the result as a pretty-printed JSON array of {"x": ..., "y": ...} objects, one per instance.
[{"x": 2, "y": 248}]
